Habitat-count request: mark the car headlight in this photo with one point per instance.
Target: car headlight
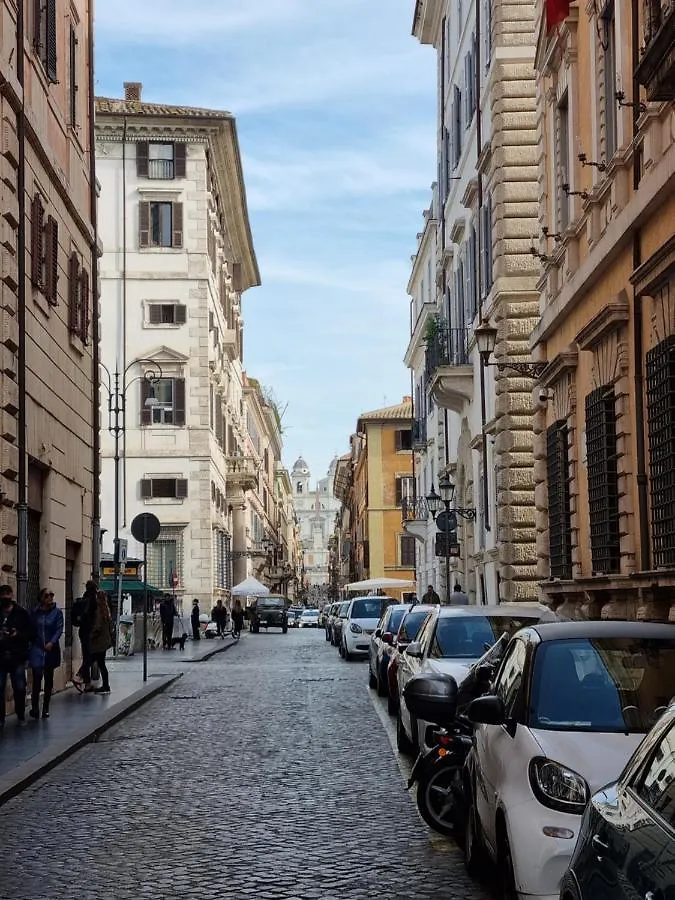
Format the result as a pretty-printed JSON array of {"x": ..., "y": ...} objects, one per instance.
[
  {"x": 558, "y": 787},
  {"x": 355, "y": 629}
]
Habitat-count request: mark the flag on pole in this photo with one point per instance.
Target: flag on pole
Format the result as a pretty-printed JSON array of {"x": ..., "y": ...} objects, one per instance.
[{"x": 556, "y": 12}]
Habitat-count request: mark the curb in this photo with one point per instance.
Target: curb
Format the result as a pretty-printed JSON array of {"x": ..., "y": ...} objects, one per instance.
[
  {"x": 19, "y": 779},
  {"x": 210, "y": 653}
]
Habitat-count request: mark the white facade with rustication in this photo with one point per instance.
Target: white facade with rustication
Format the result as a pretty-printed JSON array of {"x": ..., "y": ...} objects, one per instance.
[
  {"x": 485, "y": 213},
  {"x": 178, "y": 256},
  {"x": 315, "y": 508}
]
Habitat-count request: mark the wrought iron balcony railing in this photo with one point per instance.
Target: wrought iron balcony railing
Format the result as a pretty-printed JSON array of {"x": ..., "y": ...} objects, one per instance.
[
  {"x": 414, "y": 509},
  {"x": 160, "y": 169},
  {"x": 447, "y": 347}
]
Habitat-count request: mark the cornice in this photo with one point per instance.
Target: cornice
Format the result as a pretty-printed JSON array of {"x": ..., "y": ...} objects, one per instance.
[
  {"x": 657, "y": 267},
  {"x": 603, "y": 323},
  {"x": 565, "y": 361}
]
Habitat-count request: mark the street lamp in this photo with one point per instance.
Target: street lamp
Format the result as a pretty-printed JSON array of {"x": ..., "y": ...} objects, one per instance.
[
  {"x": 486, "y": 341},
  {"x": 444, "y": 499},
  {"x": 116, "y": 389}
]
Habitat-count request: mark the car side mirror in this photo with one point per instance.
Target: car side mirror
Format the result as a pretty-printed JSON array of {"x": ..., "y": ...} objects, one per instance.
[
  {"x": 388, "y": 637},
  {"x": 488, "y": 710},
  {"x": 415, "y": 650}
]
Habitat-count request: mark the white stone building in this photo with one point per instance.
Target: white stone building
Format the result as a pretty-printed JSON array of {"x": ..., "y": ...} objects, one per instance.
[
  {"x": 315, "y": 509},
  {"x": 485, "y": 215},
  {"x": 178, "y": 255}
]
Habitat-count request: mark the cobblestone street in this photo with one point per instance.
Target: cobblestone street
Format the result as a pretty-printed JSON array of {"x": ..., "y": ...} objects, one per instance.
[{"x": 264, "y": 772}]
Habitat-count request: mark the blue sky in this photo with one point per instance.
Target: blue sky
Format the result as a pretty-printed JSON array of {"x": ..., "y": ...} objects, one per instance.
[{"x": 335, "y": 109}]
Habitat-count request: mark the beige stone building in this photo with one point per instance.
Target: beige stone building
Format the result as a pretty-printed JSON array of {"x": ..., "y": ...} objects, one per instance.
[
  {"x": 483, "y": 217},
  {"x": 48, "y": 310},
  {"x": 605, "y": 467}
]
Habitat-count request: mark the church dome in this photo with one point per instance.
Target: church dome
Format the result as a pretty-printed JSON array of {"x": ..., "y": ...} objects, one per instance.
[{"x": 300, "y": 467}]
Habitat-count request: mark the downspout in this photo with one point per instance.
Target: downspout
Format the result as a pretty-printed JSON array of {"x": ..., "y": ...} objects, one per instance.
[
  {"x": 412, "y": 441},
  {"x": 22, "y": 505},
  {"x": 123, "y": 367},
  {"x": 95, "y": 337}
]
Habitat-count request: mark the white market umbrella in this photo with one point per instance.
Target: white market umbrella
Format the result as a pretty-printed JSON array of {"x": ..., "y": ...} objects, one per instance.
[
  {"x": 249, "y": 587},
  {"x": 373, "y": 584}
]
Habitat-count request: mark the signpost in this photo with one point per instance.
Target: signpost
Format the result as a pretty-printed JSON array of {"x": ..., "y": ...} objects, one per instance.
[
  {"x": 145, "y": 528},
  {"x": 120, "y": 560}
]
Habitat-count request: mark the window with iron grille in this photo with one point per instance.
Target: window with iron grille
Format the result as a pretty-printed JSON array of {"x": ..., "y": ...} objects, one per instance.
[
  {"x": 660, "y": 370},
  {"x": 603, "y": 480},
  {"x": 222, "y": 560},
  {"x": 165, "y": 558},
  {"x": 559, "y": 525}
]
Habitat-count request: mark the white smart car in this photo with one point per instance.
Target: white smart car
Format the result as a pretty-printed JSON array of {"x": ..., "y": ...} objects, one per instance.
[
  {"x": 309, "y": 618},
  {"x": 362, "y": 616}
]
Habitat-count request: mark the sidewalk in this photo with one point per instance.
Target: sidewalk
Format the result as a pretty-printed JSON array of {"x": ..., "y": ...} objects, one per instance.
[{"x": 28, "y": 753}]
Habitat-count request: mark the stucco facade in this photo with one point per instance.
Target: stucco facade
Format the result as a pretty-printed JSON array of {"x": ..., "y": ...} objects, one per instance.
[
  {"x": 48, "y": 312},
  {"x": 485, "y": 213},
  {"x": 604, "y": 463},
  {"x": 178, "y": 256}
]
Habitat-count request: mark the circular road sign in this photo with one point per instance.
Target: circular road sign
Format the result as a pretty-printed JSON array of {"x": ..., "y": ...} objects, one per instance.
[
  {"x": 145, "y": 528},
  {"x": 446, "y": 521}
]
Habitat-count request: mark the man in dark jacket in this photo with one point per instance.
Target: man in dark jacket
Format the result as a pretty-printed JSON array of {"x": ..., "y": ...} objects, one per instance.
[
  {"x": 219, "y": 616},
  {"x": 15, "y": 637},
  {"x": 194, "y": 621},
  {"x": 83, "y": 615},
  {"x": 167, "y": 613}
]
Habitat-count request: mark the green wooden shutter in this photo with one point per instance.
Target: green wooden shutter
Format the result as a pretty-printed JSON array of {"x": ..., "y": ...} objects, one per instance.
[
  {"x": 179, "y": 164},
  {"x": 144, "y": 224},
  {"x": 142, "y": 159},
  {"x": 179, "y": 401},
  {"x": 177, "y": 224}
]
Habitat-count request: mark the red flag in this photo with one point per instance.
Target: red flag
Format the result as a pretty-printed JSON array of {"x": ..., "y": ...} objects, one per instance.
[{"x": 556, "y": 12}]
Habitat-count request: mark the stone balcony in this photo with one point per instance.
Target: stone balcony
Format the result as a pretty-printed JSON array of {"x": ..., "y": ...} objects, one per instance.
[
  {"x": 449, "y": 370},
  {"x": 241, "y": 473},
  {"x": 415, "y": 517}
]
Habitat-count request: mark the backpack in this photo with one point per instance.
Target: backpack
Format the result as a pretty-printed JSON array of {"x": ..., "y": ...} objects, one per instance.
[{"x": 77, "y": 612}]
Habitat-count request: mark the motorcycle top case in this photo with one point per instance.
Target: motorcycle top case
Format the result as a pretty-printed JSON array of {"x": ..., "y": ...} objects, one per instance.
[{"x": 432, "y": 697}]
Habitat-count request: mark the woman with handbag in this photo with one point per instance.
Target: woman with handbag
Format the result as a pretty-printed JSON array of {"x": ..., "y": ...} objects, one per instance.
[
  {"x": 45, "y": 651},
  {"x": 102, "y": 639}
]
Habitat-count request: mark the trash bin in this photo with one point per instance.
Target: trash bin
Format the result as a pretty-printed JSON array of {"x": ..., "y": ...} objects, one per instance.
[{"x": 125, "y": 646}]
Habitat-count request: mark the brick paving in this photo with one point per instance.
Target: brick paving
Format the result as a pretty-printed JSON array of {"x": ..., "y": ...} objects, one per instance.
[{"x": 264, "y": 772}]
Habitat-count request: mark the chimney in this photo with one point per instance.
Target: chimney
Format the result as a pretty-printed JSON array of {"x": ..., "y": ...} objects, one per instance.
[{"x": 133, "y": 90}]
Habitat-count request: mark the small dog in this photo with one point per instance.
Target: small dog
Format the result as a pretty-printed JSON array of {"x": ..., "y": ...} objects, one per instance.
[{"x": 179, "y": 641}]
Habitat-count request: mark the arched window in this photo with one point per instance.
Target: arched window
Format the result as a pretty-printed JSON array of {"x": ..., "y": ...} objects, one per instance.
[{"x": 299, "y": 487}]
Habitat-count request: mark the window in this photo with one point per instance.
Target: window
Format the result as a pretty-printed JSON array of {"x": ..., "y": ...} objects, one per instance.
[
  {"x": 299, "y": 487},
  {"x": 486, "y": 246},
  {"x": 160, "y": 224},
  {"x": 405, "y": 488},
  {"x": 563, "y": 161},
  {"x": 660, "y": 371},
  {"x": 169, "y": 405},
  {"x": 45, "y": 36},
  {"x": 44, "y": 271},
  {"x": 560, "y": 539},
  {"x": 51, "y": 261},
  {"x": 403, "y": 439},
  {"x": 154, "y": 488},
  {"x": 510, "y": 676},
  {"x": 407, "y": 551},
  {"x": 72, "y": 76},
  {"x": 160, "y": 161},
  {"x": 470, "y": 84},
  {"x": 603, "y": 481},
  {"x": 658, "y": 786},
  {"x": 37, "y": 224},
  {"x": 222, "y": 557},
  {"x": 167, "y": 314},
  {"x": 165, "y": 558},
  {"x": 456, "y": 126},
  {"x": 471, "y": 298},
  {"x": 609, "y": 103},
  {"x": 487, "y": 33}
]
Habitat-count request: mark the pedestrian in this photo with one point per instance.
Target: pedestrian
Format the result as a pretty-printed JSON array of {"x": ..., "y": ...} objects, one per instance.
[
  {"x": 102, "y": 639},
  {"x": 431, "y": 596},
  {"x": 15, "y": 636},
  {"x": 45, "y": 650},
  {"x": 237, "y": 618},
  {"x": 219, "y": 616},
  {"x": 194, "y": 620},
  {"x": 167, "y": 614},
  {"x": 459, "y": 598},
  {"x": 83, "y": 614}
]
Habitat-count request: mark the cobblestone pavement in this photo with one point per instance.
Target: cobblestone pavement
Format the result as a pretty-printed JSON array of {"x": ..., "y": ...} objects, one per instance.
[{"x": 263, "y": 773}]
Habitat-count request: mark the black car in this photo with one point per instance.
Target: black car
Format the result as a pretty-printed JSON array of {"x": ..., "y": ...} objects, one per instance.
[
  {"x": 269, "y": 612},
  {"x": 626, "y": 844}
]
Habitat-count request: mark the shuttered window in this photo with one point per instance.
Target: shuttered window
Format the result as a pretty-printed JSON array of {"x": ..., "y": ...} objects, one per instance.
[
  {"x": 167, "y": 488},
  {"x": 408, "y": 551},
  {"x": 486, "y": 246},
  {"x": 167, "y": 314},
  {"x": 660, "y": 371},
  {"x": 160, "y": 160},
  {"x": 83, "y": 329},
  {"x": 74, "y": 296},
  {"x": 160, "y": 224},
  {"x": 558, "y": 478},
  {"x": 51, "y": 275},
  {"x": 403, "y": 439},
  {"x": 603, "y": 481},
  {"x": 169, "y": 401},
  {"x": 72, "y": 73},
  {"x": 45, "y": 35},
  {"x": 405, "y": 489},
  {"x": 37, "y": 215}
]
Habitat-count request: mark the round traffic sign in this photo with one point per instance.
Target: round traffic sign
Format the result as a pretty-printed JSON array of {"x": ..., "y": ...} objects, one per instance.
[
  {"x": 447, "y": 521},
  {"x": 146, "y": 528}
]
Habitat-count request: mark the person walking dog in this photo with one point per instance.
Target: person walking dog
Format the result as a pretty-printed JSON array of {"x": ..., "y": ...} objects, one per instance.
[{"x": 44, "y": 655}]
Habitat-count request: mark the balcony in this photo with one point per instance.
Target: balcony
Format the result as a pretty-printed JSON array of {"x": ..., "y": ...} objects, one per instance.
[
  {"x": 419, "y": 434},
  {"x": 160, "y": 169},
  {"x": 449, "y": 371},
  {"x": 415, "y": 517},
  {"x": 656, "y": 69},
  {"x": 241, "y": 473}
]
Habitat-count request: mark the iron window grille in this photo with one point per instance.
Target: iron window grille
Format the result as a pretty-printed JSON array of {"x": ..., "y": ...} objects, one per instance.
[
  {"x": 603, "y": 479},
  {"x": 560, "y": 538},
  {"x": 660, "y": 371},
  {"x": 165, "y": 558}
]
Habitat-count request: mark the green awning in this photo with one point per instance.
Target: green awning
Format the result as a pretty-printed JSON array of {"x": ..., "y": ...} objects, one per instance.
[{"x": 129, "y": 586}]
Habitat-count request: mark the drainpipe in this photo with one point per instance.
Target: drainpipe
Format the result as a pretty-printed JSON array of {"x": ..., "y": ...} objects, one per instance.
[
  {"x": 123, "y": 367},
  {"x": 95, "y": 329},
  {"x": 22, "y": 505}
]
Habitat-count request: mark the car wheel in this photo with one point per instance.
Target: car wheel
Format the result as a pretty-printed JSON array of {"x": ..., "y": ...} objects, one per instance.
[
  {"x": 372, "y": 680},
  {"x": 382, "y": 685},
  {"x": 327, "y": 635},
  {"x": 392, "y": 704},
  {"x": 474, "y": 854},
  {"x": 346, "y": 655},
  {"x": 403, "y": 742},
  {"x": 341, "y": 649},
  {"x": 507, "y": 878}
]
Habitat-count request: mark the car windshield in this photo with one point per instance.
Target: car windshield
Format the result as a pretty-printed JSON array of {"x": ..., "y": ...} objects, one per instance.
[
  {"x": 411, "y": 624},
  {"x": 310, "y": 613},
  {"x": 271, "y": 603},
  {"x": 368, "y": 608},
  {"x": 468, "y": 637},
  {"x": 395, "y": 620},
  {"x": 603, "y": 684}
]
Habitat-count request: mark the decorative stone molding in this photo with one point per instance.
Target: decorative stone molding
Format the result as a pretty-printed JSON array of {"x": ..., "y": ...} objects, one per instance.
[
  {"x": 607, "y": 321},
  {"x": 559, "y": 369}
]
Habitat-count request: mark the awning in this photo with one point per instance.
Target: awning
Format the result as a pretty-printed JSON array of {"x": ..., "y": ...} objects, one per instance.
[{"x": 129, "y": 586}]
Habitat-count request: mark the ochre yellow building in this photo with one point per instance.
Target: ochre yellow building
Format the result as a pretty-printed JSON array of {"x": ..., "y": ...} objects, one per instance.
[{"x": 605, "y": 420}]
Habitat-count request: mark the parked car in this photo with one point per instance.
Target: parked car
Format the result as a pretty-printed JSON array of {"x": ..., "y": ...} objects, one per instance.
[
  {"x": 293, "y": 615},
  {"x": 330, "y": 616},
  {"x": 361, "y": 618},
  {"x": 382, "y": 646},
  {"x": 269, "y": 612},
  {"x": 407, "y": 632},
  {"x": 452, "y": 639},
  {"x": 309, "y": 618},
  {"x": 570, "y": 703},
  {"x": 323, "y": 615},
  {"x": 338, "y": 622},
  {"x": 626, "y": 845}
]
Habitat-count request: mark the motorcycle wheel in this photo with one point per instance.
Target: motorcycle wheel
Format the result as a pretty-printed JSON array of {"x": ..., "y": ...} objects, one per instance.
[{"x": 437, "y": 798}]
